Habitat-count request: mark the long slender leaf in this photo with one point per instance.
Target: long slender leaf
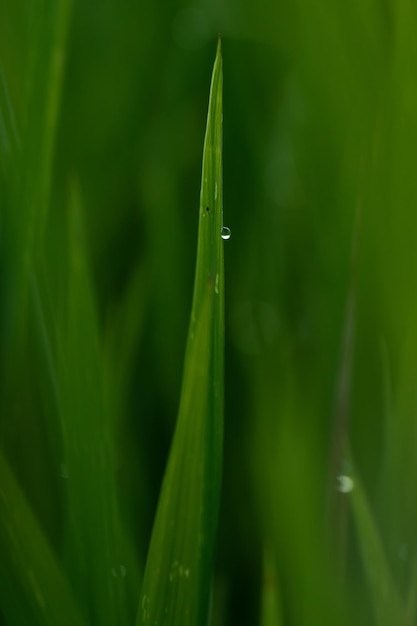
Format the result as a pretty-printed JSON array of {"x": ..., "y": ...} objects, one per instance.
[
  {"x": 34, "y": 588},
  {"x": 100, "y": 557},
  {"x": 30, "y": 166},
  {"x": 271, "y": 610},
  {"x": 382, "y": 589},
  {"x": 177, "y": 578},
  {"x": 9, "y": 140}
]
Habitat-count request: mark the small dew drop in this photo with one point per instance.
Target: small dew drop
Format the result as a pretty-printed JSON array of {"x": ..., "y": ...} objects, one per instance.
[
  {"x": 344, "y": 484},
  {"x": 225, "y": 233}
]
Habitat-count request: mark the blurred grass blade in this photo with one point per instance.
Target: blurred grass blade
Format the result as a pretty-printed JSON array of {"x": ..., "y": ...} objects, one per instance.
[
  {"x": 124, "y": 332},
  {"x": 34, "y": 589},
  {"x": 383, "y": 592},
  {"x": 411, "y": 599},
  {"x": 9, "y": 140},
  {"x": 100, "y": 558},
  {"x": 31, "y": 160},
  {"x": 178, "y": 571},
  {"x": 271, "y": 612},
  {"x": 50, "y": 33}
]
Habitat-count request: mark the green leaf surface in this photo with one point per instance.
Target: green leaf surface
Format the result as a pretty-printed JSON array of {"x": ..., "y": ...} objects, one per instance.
[
  {"x": 382, "y": 589},
  {"x": 178, "y": 571},
  {"x": 28, "y": 141},
  {"x": 8, "y": 132},
  {"x": 271, "y": 610},
  {"x": 100, "y": 557},
  {"x": 34, "y": 588}
]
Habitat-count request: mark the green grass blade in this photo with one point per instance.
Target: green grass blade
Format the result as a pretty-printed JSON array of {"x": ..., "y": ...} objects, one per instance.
[
  {"x": 124, "y": 331},
  {"x": 30, "y": 158},
  {"x": 271, "y": 611},
  {"x": 9, "y": 140},
  {"x": 100, "y": 558},
  {"x": 43, "y": 104},
  {"x": 34, "y": 589},
  {"x": 411, "y": 598},
  {"x": 177, "y": 577},
  {"x": 382, "y": 589}
]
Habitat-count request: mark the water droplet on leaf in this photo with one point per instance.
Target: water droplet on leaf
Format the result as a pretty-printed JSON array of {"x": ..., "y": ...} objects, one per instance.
[
  {"x": 344, "y": 484},
  {"x": 226, "y": 233}
]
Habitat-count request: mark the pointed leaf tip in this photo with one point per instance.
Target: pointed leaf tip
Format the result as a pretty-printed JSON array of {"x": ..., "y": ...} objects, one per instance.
[{"x": 179, "y": 567}]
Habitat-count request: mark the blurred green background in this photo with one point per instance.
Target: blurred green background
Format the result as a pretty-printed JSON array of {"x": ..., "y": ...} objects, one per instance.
[{"x": 320, "y": 136}]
